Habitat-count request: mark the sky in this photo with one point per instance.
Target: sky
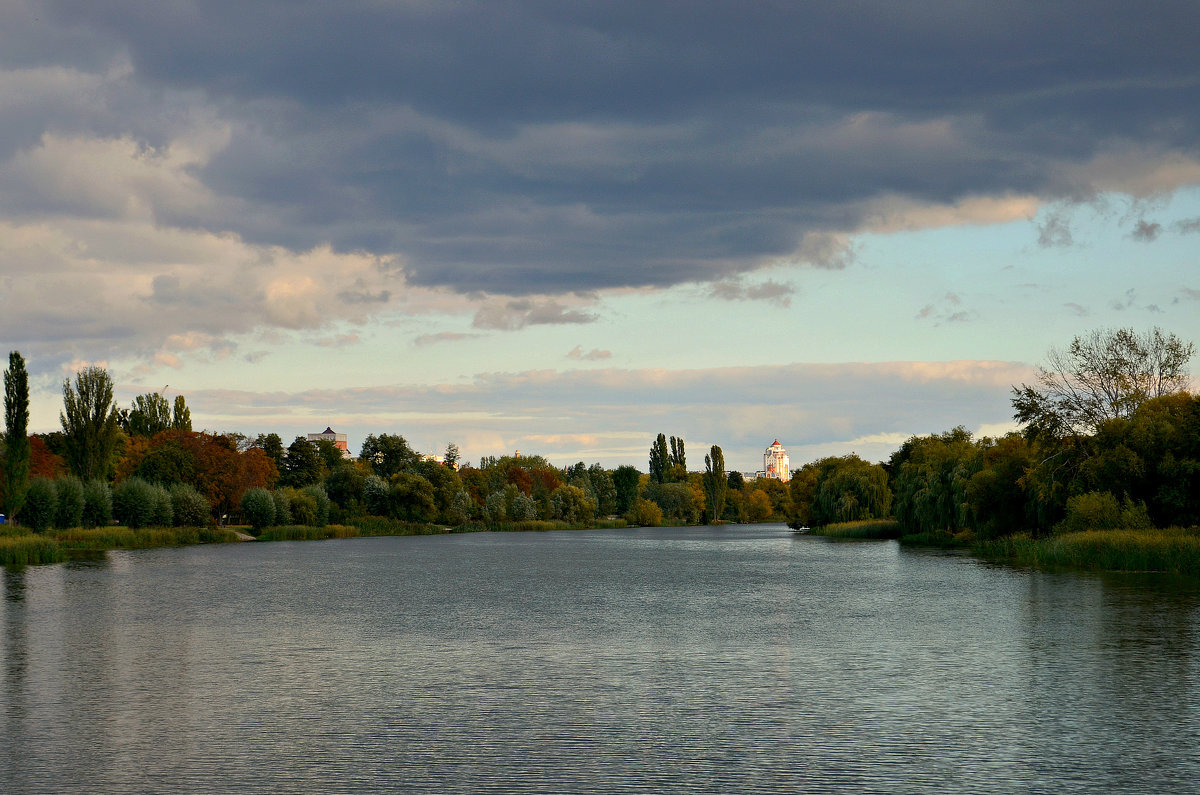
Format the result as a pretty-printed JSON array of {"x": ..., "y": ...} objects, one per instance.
[{"x": 563, "y": 228}]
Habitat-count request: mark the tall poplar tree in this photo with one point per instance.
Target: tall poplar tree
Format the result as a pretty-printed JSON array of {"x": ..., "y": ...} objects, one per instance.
[
  {"x": 716, "y": 483},
  {"x": 16, "y": 434},
  {"x": 89, "y": 422},
  {"x": 659, "y": 459}
]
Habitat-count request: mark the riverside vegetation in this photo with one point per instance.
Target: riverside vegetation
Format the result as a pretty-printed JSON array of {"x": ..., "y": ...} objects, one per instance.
[{"x": 1104, "y": 474}]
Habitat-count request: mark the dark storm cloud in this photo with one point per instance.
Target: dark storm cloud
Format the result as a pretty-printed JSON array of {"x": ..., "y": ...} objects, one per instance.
[{"x": 548, "y": 147}]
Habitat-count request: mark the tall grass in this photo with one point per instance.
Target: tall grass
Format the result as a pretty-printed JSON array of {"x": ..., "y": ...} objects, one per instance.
[
  {"x": 1174, "y": 550},
  {"x": 28, "y": 549},
  {"x": 303, "y": 532},
  {"x": 866, "y": 528},
  {"x": 117, "y": 537}
]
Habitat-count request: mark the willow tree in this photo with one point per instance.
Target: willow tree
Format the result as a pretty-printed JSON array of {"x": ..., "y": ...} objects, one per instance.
[
  {"x": 16, "y": 434},
  {"x": 89, "y": 422}
]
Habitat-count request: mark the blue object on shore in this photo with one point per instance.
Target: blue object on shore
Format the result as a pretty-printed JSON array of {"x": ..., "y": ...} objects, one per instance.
[{"x": 1, "y": 518}]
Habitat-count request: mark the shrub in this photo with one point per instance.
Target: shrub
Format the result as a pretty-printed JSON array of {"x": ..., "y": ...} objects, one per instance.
[
  {"x": 134, "y": 503},
  {"x": 41, "y": 505},
  {"x": 459, "y": 511},
  {"x": 188, "y": 506},
  {"x": 375, "y": 495},
  {"x": 322, "y": 500},
  {"x": 258, "y": 508},
  {"x": 303, "y": 508},
  {"x": 97, "y": 504},
  {"x": 644, "y": 513},
  {"x": 69, "y": 512},
  {"x": 164, "y": 513},
  {"x": 1100, "y": 510},
  {"x": 283, "y": 507}
]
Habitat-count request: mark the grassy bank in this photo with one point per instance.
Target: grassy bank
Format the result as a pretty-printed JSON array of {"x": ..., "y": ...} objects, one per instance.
[
  {"x": 21, "y": 547},
  {"x": 1174, "y": 550},
  {"x": 868, "y": 528}
]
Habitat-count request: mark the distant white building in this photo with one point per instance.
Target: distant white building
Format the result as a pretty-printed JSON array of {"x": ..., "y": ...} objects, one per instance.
[
  {"x": 776, "y": 463},
  {"x": 338, "y": 439}
]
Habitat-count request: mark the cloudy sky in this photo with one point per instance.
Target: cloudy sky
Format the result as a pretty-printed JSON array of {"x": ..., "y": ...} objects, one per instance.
[{"x": 565, "y": 227}]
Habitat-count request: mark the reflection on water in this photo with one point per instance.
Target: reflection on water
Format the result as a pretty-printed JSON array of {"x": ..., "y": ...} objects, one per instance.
[{"x": 701, "y": 659}]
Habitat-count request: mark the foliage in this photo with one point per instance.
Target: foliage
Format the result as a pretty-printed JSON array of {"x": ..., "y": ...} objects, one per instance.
[
  {"x": 89, "y": 423},
  {"x": 1098, "y": 510},
  {"x": 388, "y": 454},
  {"x": 181, "y": 415},
  {"x": 258, "y": 508},
  {"x": 931, "y": 476},
  {"x": 603, "y": 490},
  {"x": 571, "y": 505},
  {"x": 318, "y": 495},
  {"x": 848, "y": 489},
  {"x": 677, "y": 471},
  {"x": 344, "y": 485},
  {"x": 758, "y": 506},
  {"x": 17, "y": 449},
  {"x": 308, "y": 532},
  {"x": 625, "y": 483},
  {"x": 1171, "y": 550},
  {"x": 69, "y": 510},
  {"x": 1102, "y": 375},
  {"x": 866, "y": 528},
  {"x": 644, "y": 513},
  {"x": 410, "y": 498},
  {"x": 97, "y": 504},
  {"x": 660, "y": 459},
  {"x": 164, "y": 512},
  {"x": 28, "y": 549},
  {"x": 150, "y": 414},
  {"x": 375, "y": 495},
  {"x": 41, "y": 505},
  {"x": 301, "y": 464},
  {"x": 135, "y": 503},
  {"x": 716, "y": 482},
  {"x": 676, "y": 500},
  {"x": 302, "y": 506},
  {"x": 188, "y": 506},
  {"x": 283, "y": 506},
  {"x": 460, "y": 508},
  {"x": 272, "y": 446}
]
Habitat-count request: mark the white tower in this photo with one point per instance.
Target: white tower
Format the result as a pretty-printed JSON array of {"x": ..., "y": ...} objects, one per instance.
[{"x": 776, "y": 463}]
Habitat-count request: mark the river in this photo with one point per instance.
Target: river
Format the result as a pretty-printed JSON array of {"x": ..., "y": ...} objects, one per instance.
[{"x": 730, "y": 659}]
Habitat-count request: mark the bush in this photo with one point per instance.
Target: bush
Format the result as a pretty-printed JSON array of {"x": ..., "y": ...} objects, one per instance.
[
  {"x": 322, "y": 500},
  {"x": 164, "y": 513},
  {"x": 69, "y": 512},
  {"x": 375, "y": 495},
  {"x": 188, "y": 506},
  {"x": 644, "y": 513},
  {"x": 283, "y": 507},
  {"x": 41, "y": 505},
  {"x": 258, "y": 508},
  {"x": 1100, "y": 510},
  {"x": 135, "y": 503},
  {"x": 303, "y": 508},
  {"x": 97, "y": 504}
]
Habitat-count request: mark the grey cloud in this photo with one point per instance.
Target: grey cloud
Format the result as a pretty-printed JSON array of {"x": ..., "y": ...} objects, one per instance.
[
  {"x": 594, "y": 355},
  {"x": 1078, "y": 309},
  {"x": 736, "y": 290},
  {"x": 1124, "y": 302},
  {"x": 1187, "y": 227},
  {"x": 1146, "y": 232},
  {"x": 1055, "y": 231},
  {"x": 442, "y": 336},
  {"x": 542, "y": 148},
  {"x": 519, "y": 313}
]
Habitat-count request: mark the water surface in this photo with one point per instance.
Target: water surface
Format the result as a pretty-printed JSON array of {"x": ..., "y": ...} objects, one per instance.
[{"x": 660, "y": 660}]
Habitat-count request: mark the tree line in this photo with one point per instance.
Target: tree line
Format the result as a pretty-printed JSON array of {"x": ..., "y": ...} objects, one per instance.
[{"x": 1110, "y": 437}]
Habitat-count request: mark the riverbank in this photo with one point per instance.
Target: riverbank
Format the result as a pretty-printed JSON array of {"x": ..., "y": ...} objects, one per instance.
[
  {"x": 1174, "y": 550},
  {"x": 21, "y": 547}
]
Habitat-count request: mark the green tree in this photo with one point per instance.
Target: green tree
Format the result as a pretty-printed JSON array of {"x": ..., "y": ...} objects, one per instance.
[
  {"x": 272, "y": 445},
  {"x": 89, "y": 422},
  {"x": 1102, "y": 375},
  {"x": 848, "y": 489},
  {"x": 931, "y": 483},
  {"x": 625, "y": 481},
  {"x": 716, "y": 482},
  {"x": 451, "y": 457},
  {"x": 16, "y": 434},
  {"x": 301, "y": 464},
  {"x": 149, "y": 415},
  {"x": 181, "y": 416},
  {"x": 388, "y": 454},
  {"x": 660, "y": 459},
  {"x": 678, "y": 469}
]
